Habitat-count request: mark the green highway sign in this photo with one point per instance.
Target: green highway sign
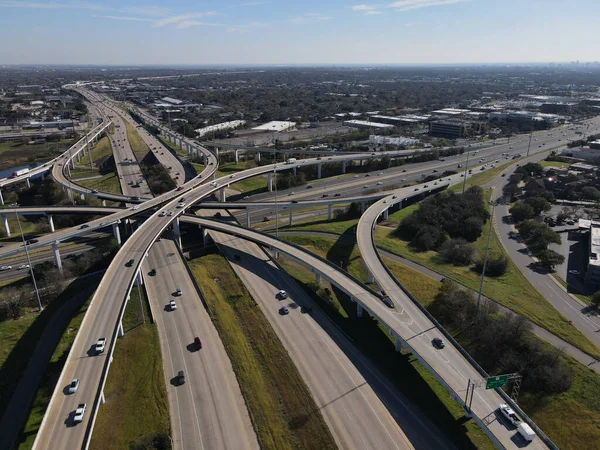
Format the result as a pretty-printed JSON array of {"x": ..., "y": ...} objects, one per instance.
[{"x": 496, "y": 382}]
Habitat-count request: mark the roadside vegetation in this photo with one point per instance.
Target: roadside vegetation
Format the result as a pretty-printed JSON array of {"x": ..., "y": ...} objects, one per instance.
[
  {"x": 282, "y": 409},
  {"x": 136, "y": 411},
  {"x": 14, "y": 154},
  {"x": 567, "y": 387},
  {"x": 107, "y": 183},
  {"x": 139, "y": 147}
]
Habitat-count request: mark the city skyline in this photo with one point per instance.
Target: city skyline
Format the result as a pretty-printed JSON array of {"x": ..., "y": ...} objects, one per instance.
[{"x": 270, "y": 33}]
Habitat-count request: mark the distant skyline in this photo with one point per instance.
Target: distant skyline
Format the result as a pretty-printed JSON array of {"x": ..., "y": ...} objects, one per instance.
[{"x": 339, "y": 32}]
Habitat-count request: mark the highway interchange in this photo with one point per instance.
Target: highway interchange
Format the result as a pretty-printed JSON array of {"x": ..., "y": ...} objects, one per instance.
[{"x": 102, "y": 319}]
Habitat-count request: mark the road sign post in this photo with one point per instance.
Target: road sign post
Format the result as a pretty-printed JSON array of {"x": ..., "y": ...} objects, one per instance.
[{"x": 496, "y": 382}]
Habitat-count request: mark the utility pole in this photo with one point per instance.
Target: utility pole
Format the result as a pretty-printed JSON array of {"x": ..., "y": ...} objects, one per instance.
[
  {"x": 487, "y": 249},
  {"x": 465, "y": 176},
  {"x": 35, "y": 288},
  {"x": 530, "y": 135}
]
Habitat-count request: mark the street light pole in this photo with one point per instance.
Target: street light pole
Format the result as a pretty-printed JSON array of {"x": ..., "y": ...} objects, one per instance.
[
  {"x": 465, "y": 177},
  {"x": 487, "y": 249},
  {"x": 35, "y": 288},
  {"x": 276, "y": 205},
  {"x": 530, "y": 135}
]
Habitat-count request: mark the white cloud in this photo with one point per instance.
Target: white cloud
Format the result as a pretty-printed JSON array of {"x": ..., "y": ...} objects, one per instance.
[
  {"x": 183, "y": 18},
  {"x": 309, "y": 18},
  {"x": 136, "y": 19},
  {"x": 52, "y": 5},
  {"x": 407, "y": 5},
  {"x": 367, "y": 10}
]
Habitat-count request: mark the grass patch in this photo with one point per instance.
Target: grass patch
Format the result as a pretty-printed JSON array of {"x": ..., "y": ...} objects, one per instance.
[
  {"x": 197, "y": 167},
  {"x": 545, "y": 163},
  {"x": 282, "y": 409},
  {"x": 139, "y": 147},
  {"x": 102, "y": 149},
  {"x": 81, "y": 292},
  {"x": 108, "y": 183},
  {"x": 324, "y": 226},
  {"x": 255, "y": 184},
  {"x": 29, "y": 227},
  {"x": 16, "y": 153},
  {"x": 179, "y": 151},
  {"x": 136, "y": 397},
  {"x": 403, "y": 370}
]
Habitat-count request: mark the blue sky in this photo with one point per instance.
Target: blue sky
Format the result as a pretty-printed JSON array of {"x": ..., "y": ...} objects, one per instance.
[{"x": 298, "y": 32}]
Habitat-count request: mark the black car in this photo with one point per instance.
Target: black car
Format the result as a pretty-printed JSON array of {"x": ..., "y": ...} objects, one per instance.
[
  {"x": 438, "y": 343},
  {"x": 180, "y": 378},
  {"x": 32, "y": 241},
  {"x": 129, "y": 263}
]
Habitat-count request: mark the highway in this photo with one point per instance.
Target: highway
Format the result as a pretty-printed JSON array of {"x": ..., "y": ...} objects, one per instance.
[
  {"x": 208, "y": 411},
  {"x": 361, "y": 407},
  {"x": 103, "y": 317}
]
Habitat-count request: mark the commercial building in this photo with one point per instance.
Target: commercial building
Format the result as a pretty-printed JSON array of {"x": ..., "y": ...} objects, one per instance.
[
  {"x": 592, "y": 274},
  {"x": 448, "y": 129},
  {"x": 276, "y": 126},
  {"x": 396, "y": 141},
  {"x": 595, "y": 144},
  {"x": 366, "y": 124},
  {"x": 219, "y": 126}
]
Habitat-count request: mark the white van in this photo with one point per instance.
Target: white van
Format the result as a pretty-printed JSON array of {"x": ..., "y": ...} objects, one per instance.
[
  {"x": 526, "y": 432},
  {"x": 291, "y": 160}
]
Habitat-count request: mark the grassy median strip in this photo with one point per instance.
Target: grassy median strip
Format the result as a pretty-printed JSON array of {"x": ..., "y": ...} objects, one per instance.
[
  {"x": 403, "y": 370},
  {"x": 139, "y": 147},
  {"x": 80, "y": 291},
  {"x": 108, "y": 183},
  {"x": 102, "y": 149},
  {"x": 136, "y": 397},
  {"x": 282, "y": 409}
]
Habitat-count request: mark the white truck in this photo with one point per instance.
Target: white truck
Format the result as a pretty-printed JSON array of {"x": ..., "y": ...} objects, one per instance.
[
  {"x": 290, "y": 160},
  {"x": 526, "y": 432}
]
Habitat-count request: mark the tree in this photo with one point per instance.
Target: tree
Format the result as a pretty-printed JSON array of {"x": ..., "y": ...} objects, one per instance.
[
  {"x": 595, "y": 299},
  {"x": 457, "y": 252},
  {"x": 521, "y": 211},
  {"x": 427, "y": 238},
  {"x": 551, "y": 259},
  {"x": 539, "y": 204},
  {"x": 590, "y": 193},
  {"x": 495, "y": 267}
]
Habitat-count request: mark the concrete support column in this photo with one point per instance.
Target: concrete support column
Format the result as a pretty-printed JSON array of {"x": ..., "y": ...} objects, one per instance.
[
  {"x": 295, "y": 170},
  {"x": 318, "y": 277},
  {"x": 217, "y": 152},
  {"x": 177, "y": 232},
  {"x": 270, "y": 182},
  {"x": 359, "y": 310},
  {"x": 116, "y": 233},
  {"x": 343, "y": 166},
  {"x": 397, "y": 343},
  {"x": 222, "y": 195},
  {"x": 51, "y": 223},
  {"x": 319, "y": 170},
  {"x": 257, "y": 156},
  {"x": 214, "y": 176},
  {"x": 6, "y": 227},
  {"x": 370, "y": 277},
  {"x": 291, "y": 216},
  {"x": 102, "y": 399},
  {"x": 237, "y": 156},
  {"x": 103, "y": 202},
  {"x": 204, "y": 237},
  {"x": 89, "y": 149},
  {"x": 78, "y": 157},
  {"x": 28, "y": 182},
  {"x": 120, "y": 331},
  {"x": 329, "y": 210},
  {"x": 1, "y": 198},
  {"x": 139, "y": 280},
  {"x": 56, "y": 253},
  {"x": 247, "y": 217},
  {"x": 72, "y": 163},
  {"x": 363, "y": 206},
  {"x": 386, "y": 214},
  {"x": 82, "y": 197}
]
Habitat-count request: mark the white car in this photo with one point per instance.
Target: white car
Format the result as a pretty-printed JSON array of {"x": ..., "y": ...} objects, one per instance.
[
  {"x": 178, "y": 292},
  {"x": 23, "y": 266},
  {"x": 172, "y": 305},
  {"x": 162, "y": 214},
  {"x": 135, "y": 207},
  {"x": 509, "y": 414},
  {"x": 79, "y": 413},
  {"x": 181, "y": 205},
  {"x": 282, "y": 294},
  {"x": 100, "y": 345},
  {"x": 379, "y": 183},
  {"x": 74, "y": 385},
  {"x": 170, "y": 213},
  {"x": 3, "y": 268},
  {"x": 574, "y": 272}
]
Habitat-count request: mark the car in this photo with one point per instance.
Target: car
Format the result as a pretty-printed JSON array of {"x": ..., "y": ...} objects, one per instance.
[
  {"x": 84, "y": 226},
  {"x": 100, "y": 345},
  {"x": 355, "y": 176},
  {"x": 32, "y": 241},
  {"x": 94, "y": 191},
  {"x": 574, "y": 272},
  {"x": 23, "y": 266},
  {"x": 325, "y": 195},
  {"x": 172, "y": 305},
  {"x": 570, "y": 222},
  {"x": 213, "y": 183},
  {"x": 365, "y": 186},
  {"x": 246, "y": 197},
  {"x": 3, "y": 268},
  {"x": 232, "y": 175},
  {"x": 416, "y": 189},
  {"x": 284, "y": 311},
  {"x": 170, "y": 213},
  {"x": 162, "y": 214},
  {"x": 368, "y": 175},
  {"x": 291, "y": 193},
  {"x": 435, "y": 183},
  {"x": 180, "y": 378},
  {"x": 282, "y": 294},
  {"x": 460, "y": 166},
  {"x": 438, "y": 343},
  {"x": 180, "y": 188},
  {"x": 79, "y": 413},
  {"x": 178, "y": 292},
  {"x": 509, "y": 414},
  {"x": 129, "y": 263},
  {"x": 74, "y": 385},
  {"x": 434, "y": 170},
  {"x": 309, "y": 186},
  {"x": 426, "y": 186},
  {"x": 135, "y": 207},
  {"x": 181, "y": 205},
  {"x": 197, "y": 342},
  {"x": 337, "y": 194},
  {"x": 394, "y": 197},
  {"x": 403, "y": 170},
  {"x": 379, "y": 183},
  {"x": 380, "y": 173}
]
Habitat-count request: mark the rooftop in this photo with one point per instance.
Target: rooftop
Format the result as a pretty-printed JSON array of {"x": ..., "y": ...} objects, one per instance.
[
  {"x": 366, "y": 123},
  {"x": 275, "y": 125}
]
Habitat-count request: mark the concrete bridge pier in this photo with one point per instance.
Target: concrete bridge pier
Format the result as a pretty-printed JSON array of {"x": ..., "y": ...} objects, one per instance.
[
  {"x": 51, "y": 223},
  {"x": 257, "y": 156},
  {"x": 319, "y": 170},
  {"x": 237, "y": 156},
  {"x": 28, "y": 182},
  {"x": 343, "y": 166},
  {"x": 116, "y": 233},
  {"x": 329, "y": 210},
  {"x": 177, "y": 232},
  {"x": 270, "y": 182},
  {"x": 359, "y": 310},
  {"x": 291, "y": 217},
  {"x": 139, "y": 280},
  {"x": 247, "y": 217},
  {"x": 295, "y": 170},
  {"x": 397, "y": 343},
  {"x": 318, "y": 277},
  {"x": 120, "y": 331},
  {"x": 103, "y": 202},
  {"x": 370, "y": 277},
  {"x": 386, "y": 214},
  {"x": 1, "y": 198},
  {"x": 222, "y": 195},
  {"x": 6, "y": 227},
  {"x": 56, "y": 253}
]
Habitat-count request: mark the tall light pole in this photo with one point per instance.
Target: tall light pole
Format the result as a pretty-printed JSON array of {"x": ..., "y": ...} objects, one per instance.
[
  {"x": 487, "y": 249},
  {"x": 276, "y": 204},
  {"x": 466, "y": 168},
  {"x": 530, "y": 135},
  {"x": 35, "y": 288}
]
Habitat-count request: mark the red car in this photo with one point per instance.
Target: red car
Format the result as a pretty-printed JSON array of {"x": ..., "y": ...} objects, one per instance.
[
  {"x": 198, "y": 342},
  {"x": 180, "y": 188}
]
